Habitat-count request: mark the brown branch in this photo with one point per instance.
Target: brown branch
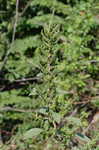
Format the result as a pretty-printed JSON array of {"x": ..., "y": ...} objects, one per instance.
[
  {"x": 16, "y": 84},
  {"x": 83, "y": 102},
  {"x": 5, "y": 132}
]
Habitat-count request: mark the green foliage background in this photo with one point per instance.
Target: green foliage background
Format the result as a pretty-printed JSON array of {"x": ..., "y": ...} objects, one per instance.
[{"x": 52, "y": 69}]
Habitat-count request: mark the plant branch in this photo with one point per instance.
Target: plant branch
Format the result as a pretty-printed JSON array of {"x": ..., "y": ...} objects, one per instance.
[
  {"x": 25, "y": 8},
  {"x": 5, "y": 109},
  {"x": 18, "y": 83},
  {"x": 13, "y": 36},
  {"x": 27, "y": 79}
]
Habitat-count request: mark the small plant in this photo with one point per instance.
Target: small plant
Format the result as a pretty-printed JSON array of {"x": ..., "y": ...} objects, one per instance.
[{"x": 49, "y": 82}]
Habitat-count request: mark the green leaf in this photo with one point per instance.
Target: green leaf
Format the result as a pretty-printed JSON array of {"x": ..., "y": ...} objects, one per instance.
[
  {"x": 43, "y": 111},
  {"x": 95, "y": 101},
  {"x": 82, "y": 139},
  {"x": 32, "y": 133},
  {"x": 56, "y": 117},
  {"x": 74, "y": 120}
]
